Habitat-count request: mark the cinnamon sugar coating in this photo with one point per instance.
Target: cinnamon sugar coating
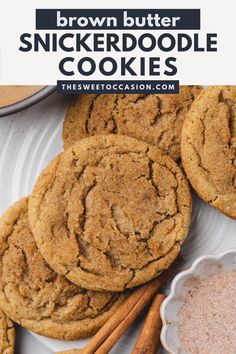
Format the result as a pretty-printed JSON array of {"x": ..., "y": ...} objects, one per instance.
[
  {"x": 208, "y": 147},
  {"x": 155, "y": 119},
  {"x": 7, "y": 335},
  {"x": 37, "y": 298},
  {"x": 110, "y": 213}
]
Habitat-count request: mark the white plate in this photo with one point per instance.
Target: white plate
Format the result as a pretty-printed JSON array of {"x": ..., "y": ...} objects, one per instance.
[{"x": 30, "y": 139}]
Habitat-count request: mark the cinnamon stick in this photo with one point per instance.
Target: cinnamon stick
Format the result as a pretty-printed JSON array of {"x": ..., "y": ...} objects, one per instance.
[
  {"x": 145, "y": 296},
  {"x": 148, "y": 341},
  {"x": 127, "y": 312}
]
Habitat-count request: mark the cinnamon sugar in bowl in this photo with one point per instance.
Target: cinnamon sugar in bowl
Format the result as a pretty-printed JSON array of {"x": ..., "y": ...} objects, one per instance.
[{"x": 199, "y": 313}]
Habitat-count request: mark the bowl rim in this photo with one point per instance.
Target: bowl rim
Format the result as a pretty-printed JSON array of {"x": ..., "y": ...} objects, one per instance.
[
  {"x": 190, "y": 270},
  {"x": 27, "y": 102}
]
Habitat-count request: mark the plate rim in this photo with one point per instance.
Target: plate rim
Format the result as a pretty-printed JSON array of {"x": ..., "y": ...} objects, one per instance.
[{"x": 27, "y": 102}]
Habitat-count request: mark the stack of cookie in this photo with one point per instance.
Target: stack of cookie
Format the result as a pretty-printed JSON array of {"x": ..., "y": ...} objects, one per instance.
[{"x": 106, "y": 215}]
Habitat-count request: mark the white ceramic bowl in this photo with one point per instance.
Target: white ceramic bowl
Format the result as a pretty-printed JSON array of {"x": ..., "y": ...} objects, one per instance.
[{"x": 202, "y": 267}]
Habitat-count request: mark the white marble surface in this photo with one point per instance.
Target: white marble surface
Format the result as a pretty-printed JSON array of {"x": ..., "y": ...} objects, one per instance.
[{"x": 28, "y": 140}]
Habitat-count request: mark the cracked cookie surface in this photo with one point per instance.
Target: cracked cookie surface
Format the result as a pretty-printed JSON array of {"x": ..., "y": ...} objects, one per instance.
[
  {"x": 155, "y": 119},
  {"x": 110, "y": 212},
  {"x": 208, "y": 147},
  {"x": 7, "y": 335},
  {"x": 37, "y": 298}
]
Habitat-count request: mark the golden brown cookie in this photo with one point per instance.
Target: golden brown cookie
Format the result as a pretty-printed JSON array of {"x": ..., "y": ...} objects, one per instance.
[
  {"x": 110, "y": 213},
  {"x": 37, "y": 298},
  {"x": 209, "y": 147},
  {"x": 7, "y": 335},
  {"x": 155, "y": 119}
]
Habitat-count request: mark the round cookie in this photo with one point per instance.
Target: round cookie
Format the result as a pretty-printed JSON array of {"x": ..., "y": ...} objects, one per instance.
[
  {"x": 208, "y": 147},
  {"x": 110, "y": 213},
  {"x": 37, "y": 298},
  {"x": 7, "y": 335},
  {"x": 155, "y": 119}
]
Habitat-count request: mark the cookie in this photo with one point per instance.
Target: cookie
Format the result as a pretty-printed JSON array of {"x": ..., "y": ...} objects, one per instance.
[
  {"x": 110, "y": 213},
  {"x": 37, "y": 298},
  {"x": 155, "y": 119},
  {"x": 7, "y": 335},
  {"x": 208, "y": 148}
]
